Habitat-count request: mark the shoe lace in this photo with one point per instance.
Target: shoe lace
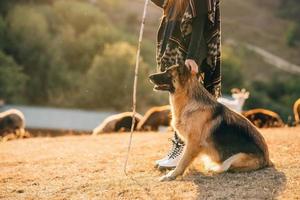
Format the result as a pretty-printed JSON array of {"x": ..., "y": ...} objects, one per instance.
[{"x": 176, "y": 149}]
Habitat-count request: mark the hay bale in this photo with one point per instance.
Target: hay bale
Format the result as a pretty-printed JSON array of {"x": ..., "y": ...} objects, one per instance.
[
  {"x": 155, "y": 117},
  {"x": 297, "y": 112},
  {"x": 12, "y": 121},
  {"x": 263, "y": 118},
  {"x": 117, "y": 123}
]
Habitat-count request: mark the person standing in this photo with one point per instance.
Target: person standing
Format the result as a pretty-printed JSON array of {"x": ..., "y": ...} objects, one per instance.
[{"x": 190, "y": 35}]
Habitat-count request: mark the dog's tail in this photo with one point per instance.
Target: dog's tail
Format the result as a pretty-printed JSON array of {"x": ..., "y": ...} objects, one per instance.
[{"x": 244, "y": 162}]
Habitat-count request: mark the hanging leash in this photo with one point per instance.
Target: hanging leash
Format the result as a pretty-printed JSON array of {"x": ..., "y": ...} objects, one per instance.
[{"x": 137, "y": 63}]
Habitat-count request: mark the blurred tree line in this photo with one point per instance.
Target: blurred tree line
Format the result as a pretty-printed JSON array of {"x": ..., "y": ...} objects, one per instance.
[
  {"x": 75, "y": 54},
  {"x": 290, "y": 9},
  {"x": 269, "y": 88},
  {"x": 65, "y": 53}
]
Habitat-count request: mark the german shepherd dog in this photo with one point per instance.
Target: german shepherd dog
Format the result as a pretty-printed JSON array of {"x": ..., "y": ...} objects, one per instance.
[{"x": 221, "y": 136}]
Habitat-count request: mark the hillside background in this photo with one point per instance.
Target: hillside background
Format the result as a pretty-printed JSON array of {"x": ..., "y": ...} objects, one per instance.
[{"x": 81, "y": 54}]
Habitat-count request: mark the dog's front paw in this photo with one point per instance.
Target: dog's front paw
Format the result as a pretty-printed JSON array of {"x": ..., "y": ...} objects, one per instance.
[{"x": 168, "y": 177}]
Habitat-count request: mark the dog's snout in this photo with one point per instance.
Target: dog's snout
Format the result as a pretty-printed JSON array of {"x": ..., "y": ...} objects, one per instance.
[
  {"x": 156, "y": 78},
  {"x": 151, "y": 77}
]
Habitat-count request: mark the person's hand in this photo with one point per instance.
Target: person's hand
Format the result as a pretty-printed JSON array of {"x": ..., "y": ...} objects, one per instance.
[{"x": 192, "y": 65}]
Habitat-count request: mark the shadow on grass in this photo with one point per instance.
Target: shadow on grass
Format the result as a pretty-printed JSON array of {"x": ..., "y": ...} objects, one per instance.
[{"x": 262, "y": 184}]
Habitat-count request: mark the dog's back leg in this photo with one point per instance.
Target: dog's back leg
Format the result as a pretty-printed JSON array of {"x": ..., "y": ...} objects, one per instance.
[{"x": 240, "y": 162}]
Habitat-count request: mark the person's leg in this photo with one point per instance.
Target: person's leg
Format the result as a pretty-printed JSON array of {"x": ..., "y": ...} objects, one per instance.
[{"x": 212, "y": 79}]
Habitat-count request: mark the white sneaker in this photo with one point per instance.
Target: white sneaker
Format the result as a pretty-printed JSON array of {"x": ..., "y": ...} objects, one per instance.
[
  {"x": 173, "y": 157},
  {"x": 161, "y": 160},
  {"x": 168, "y": 155}
]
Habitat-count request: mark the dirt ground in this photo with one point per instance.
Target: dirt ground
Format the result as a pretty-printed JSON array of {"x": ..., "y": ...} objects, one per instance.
[{"x": 86, "y": 167}]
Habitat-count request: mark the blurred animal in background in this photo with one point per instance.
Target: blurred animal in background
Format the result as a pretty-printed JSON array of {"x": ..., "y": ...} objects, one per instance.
[
  {"x": 154, "y": 118},
  {"x": 12, "y": 125},
  {"x": 297, "y": 112},
  {"x": 239, "y": 98},
  {"x": 263, "y": 118},
  {"x": 117, "y": 123}
]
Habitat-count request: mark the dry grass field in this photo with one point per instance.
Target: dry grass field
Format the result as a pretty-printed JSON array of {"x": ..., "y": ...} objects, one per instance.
[{"x": 86, "y": 167}]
